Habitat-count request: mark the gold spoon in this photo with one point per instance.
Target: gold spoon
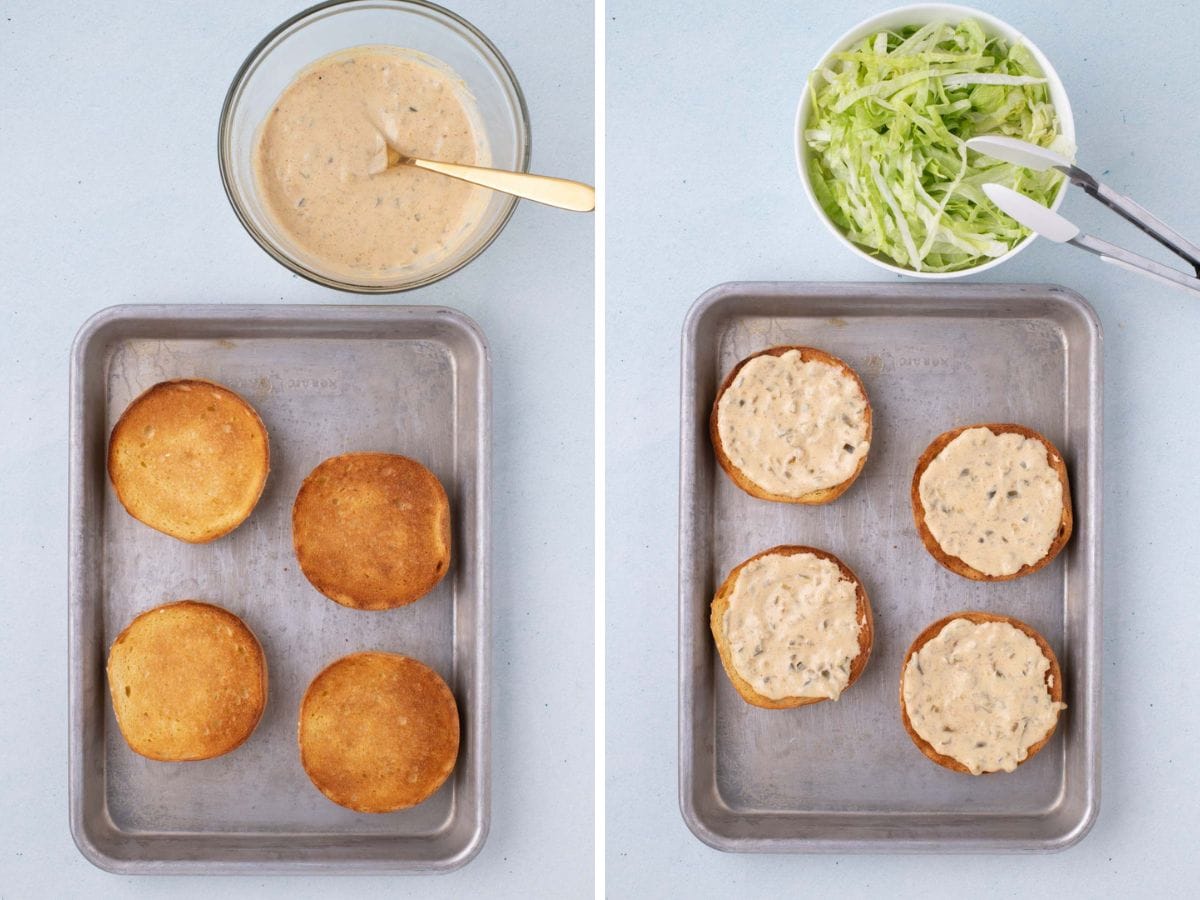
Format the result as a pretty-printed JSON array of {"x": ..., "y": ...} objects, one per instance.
[{"x": 559, "y": 192}]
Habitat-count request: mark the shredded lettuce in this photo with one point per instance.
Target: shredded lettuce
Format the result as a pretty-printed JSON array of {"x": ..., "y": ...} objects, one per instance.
[{"x": 888, "y": 160}]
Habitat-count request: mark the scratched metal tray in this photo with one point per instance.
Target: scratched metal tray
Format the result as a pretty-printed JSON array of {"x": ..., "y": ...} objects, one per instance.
[
  {"x": 845, "y": 777},
  {"x": 326, "y": 380}
]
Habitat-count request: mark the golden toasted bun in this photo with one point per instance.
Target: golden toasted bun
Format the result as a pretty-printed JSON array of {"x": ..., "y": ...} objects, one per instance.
[
  {"x": 188, "y": 681},
  {"x": 720, "y": 605},
  {"x": 953, "y": 563},
  {"x": 372, "y": 530},
  {"x": 1054, "y": 683},
  {"x": 190, "y": 459},
  {"x": 378, "y": 732},
  {"x": 823, "y": 495}
]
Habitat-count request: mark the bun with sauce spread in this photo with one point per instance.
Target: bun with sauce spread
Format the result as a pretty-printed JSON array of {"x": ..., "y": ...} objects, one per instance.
[
  {"x": 980, "y": 693},
  {"x": 792, "y": 424},
  {"x": 793, "y": 626},
  {"x": 992, "y": 502}
]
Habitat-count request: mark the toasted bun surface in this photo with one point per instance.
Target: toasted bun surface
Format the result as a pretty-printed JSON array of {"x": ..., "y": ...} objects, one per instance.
[
  {"x": 720, "y": 605},
  {"x": 372, "y": 530},
  {"x": 188, "y": 681},
  {"x": 740, "y": 478},
  {"x": 378, "y": 732},
  {"x": 1054, "y": 684},
  {"x": 190, "y": 459},
  {"x": 953, "y": 563}
]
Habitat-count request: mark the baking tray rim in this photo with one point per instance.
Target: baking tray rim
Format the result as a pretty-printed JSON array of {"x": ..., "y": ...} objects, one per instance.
[
  {"x": 278, "y": 314},
  {"x": 1093, "y": 603}
]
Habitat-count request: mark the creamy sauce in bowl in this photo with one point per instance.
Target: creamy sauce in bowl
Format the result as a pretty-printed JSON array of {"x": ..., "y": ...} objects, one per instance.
[{"x": 320, "y": 162}]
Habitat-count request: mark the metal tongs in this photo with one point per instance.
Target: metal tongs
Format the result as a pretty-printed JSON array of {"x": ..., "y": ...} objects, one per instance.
[{"x": 1050, "y": 224}]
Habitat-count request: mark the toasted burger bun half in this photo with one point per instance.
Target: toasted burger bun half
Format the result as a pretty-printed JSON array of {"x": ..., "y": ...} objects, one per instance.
[
  {"x": 188, "y": 681},
  {"x": 1054, "y": 685},
  {"x": 378, "y": 732},
  {"x": 953, "y": 563},
  {"x": 189, "y": 458},
  {"x": 720, "y": 605},
  {"x": 740, "y": 478},
  {"x": 372, "y": 530}
]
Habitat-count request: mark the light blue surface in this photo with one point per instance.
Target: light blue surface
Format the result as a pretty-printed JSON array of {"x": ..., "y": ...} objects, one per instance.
[
  {"x": 108, "y": 121},
  {"x": 703, "y": 189}
]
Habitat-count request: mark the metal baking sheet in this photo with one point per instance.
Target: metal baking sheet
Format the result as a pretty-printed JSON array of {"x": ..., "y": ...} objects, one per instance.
[
  {"x": 844, "y": 776},
  {"x": 325, "y": 380}
]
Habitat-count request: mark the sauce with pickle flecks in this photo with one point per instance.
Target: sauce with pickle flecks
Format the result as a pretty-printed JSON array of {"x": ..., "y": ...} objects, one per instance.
[
  {"x": 320, "y": 161},
  {"x": 980, "y": 694},
  {"x": 791, "y": 426},
  {"x": 793, "y": 626},
  {"x": 993, "y": 500}
]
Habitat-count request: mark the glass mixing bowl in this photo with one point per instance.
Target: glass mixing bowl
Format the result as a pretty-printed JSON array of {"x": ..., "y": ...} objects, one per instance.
[{"x": 338, "y": 25}]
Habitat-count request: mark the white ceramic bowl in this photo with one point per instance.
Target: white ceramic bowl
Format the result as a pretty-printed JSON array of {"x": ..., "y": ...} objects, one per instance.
[{"x": 921, "y": 14}]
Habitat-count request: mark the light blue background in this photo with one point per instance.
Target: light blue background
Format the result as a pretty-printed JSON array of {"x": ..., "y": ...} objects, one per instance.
[
  {"x": 110, "y": 194},
  {"x": 703, "y": 189}
]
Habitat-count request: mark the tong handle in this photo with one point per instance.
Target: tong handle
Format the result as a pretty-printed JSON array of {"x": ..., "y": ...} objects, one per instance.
[
  {"x": 1138, "y": 215},
  {"x": 1134, "y": 262}
]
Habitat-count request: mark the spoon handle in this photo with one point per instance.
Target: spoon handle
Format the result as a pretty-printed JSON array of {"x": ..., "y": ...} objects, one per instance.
[{"x": 559, "y": 192}]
